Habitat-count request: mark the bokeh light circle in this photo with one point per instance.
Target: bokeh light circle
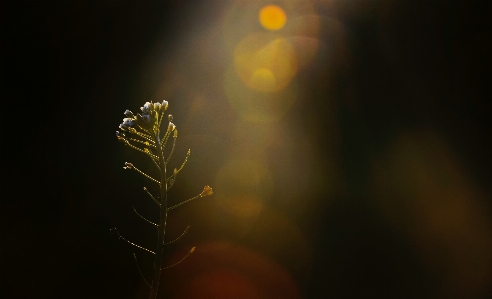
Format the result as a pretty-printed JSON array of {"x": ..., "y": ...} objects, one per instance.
[
  {"x": 254, "y": 105},
  {"x": 224, "y": 270},
  {"x": 272, "y": 17},
  {"x": 265, "y": 62}
]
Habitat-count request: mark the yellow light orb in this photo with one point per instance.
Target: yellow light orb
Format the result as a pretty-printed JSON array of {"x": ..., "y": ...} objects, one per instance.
[{"x": 272, "y": 17}]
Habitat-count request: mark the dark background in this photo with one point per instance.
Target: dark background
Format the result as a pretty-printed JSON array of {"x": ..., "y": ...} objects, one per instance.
[{"x": 69, "y": 70}]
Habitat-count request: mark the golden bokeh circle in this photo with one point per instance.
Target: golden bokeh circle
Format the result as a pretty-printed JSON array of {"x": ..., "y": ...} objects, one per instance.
[{"x": 272, "y": 17}]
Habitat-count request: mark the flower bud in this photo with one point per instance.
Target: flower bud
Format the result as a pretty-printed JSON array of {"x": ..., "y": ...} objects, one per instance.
[
  {"x": 128, "y": 122},
  {"x": 170, "y": 117},
  {"x": 164, "y": 105},
  {"x": 147, "y": 108},
  {"x": 129, "y": 114},
  {"x": 120, "y": 136},
  {"x": 128, "y": 165},
  {"x": 157, "y": 107}
]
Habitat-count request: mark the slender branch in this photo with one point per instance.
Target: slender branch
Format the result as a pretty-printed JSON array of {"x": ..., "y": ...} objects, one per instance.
[
  {"x": 141, "y": 275},
  {"x": 155, "y": 163},
  {"x": 143, "y": 135},
  {"x": 153, "y": 198},
  {"x": 185, "y": 231},
  {"x": 143, "y": 129},
  {"x": 170, "y": 181},
  {"x": 148, "y": 152},
  {"x": 180, "y": 261},
  {"x": 165, "y": 137},
  {"x": 131, "y": 243},
  {"x": 163, "y": 110},
  {"x": 182, "y": 203},
  {"x": 144, "y": 218},
  {"x": 146, "y": 143},
  {"x": 131, "y": 166},
  {"x": 172, "y": 149},
  {"x": 145, "y": 151},
  {"x": 134, "y": 147},
  {"x": 182, "y": 165}
]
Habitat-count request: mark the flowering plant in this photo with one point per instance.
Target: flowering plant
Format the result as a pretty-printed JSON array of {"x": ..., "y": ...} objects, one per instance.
[{"x": 144, "y": 135}]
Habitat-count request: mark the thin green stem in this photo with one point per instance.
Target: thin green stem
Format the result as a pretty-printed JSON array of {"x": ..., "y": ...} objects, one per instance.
[{"x": 162, "y": 222}]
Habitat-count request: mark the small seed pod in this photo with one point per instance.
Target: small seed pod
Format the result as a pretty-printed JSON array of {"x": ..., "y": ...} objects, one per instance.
[{"x": 206, "y": 191}]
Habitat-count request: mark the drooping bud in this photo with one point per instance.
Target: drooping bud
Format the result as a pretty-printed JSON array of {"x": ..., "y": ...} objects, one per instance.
[
  {"x": 120, "y": 136},
  {"x": 171, "y": 127},
  {"x": 128, "y": 165}
]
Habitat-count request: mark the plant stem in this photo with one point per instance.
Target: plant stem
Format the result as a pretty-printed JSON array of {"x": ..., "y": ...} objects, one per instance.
[{"x": 162, "y": 222}]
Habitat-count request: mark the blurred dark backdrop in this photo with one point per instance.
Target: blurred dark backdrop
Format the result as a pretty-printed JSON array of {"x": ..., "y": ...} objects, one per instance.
[{"x": 394, "y": 110}]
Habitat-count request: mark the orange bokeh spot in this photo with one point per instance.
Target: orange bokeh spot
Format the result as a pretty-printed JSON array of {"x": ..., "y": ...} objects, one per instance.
[{"x": 272, "y": 17}]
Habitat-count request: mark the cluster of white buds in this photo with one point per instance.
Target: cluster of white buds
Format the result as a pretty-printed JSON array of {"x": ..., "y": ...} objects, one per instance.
[{"x": 151, "y": 116}]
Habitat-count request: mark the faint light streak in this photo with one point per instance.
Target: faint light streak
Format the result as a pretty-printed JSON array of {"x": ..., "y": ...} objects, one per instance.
[
  {"x": 272, "y": 17},
  {"x": 420, "y": 186}
]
